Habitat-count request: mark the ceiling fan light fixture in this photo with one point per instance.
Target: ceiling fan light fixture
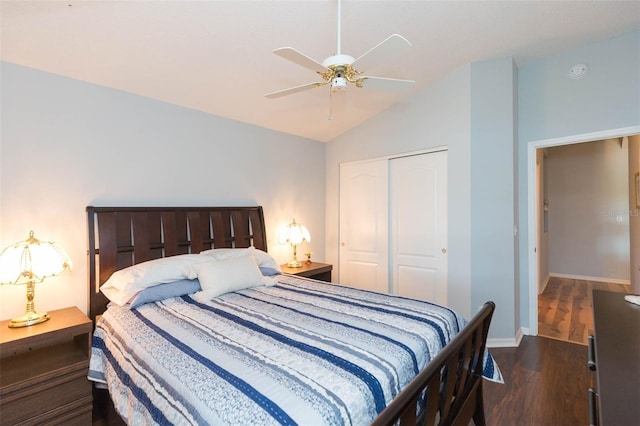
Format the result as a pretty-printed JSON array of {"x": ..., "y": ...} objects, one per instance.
[{"x": 338, "y": 84}]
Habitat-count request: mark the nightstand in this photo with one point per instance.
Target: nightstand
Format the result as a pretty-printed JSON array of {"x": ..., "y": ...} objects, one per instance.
[
  {"x": 315, "y": 270},
  {"x": 43, "y": 371}
]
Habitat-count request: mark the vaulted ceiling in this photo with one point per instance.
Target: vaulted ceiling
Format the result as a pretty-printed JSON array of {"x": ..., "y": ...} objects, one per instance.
[{"x": 216, "y": 56}]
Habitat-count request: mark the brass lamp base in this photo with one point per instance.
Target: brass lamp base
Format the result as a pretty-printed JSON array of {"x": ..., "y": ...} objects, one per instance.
[
  {"x": 29, "y": 318},
  {"x": 294, "y": 264}
]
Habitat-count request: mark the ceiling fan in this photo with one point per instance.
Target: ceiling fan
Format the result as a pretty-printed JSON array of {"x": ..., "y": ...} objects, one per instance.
[{"x": 338, "y": 70}]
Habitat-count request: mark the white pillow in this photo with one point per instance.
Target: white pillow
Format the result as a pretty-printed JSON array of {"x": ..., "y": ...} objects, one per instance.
[
  {"x": 263, "y": 258},
  {"x": 218, "y": 277},
  {"x": 122, "y": 285}
]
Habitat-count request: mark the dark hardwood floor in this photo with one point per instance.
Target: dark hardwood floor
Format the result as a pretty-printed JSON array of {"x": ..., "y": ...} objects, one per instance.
[{"x": 546, "y": 383}]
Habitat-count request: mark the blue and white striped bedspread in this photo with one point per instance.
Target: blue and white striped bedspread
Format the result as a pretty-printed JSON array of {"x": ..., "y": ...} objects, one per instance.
[{"x": 301, "y": 352}]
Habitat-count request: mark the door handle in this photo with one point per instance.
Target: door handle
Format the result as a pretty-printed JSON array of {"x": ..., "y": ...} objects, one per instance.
[
  {"x": 591, "y": 358},
  {"x": 444, "y": 251},
  {"x": 593, "y": 402}
]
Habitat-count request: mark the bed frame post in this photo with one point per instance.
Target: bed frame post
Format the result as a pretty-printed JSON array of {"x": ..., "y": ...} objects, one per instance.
[
  {"x": 451, "y": 382},
  {"x": 91, "y": 261}
]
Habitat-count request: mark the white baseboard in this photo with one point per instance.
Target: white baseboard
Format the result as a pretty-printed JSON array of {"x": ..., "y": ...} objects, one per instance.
[
  {"x": 544, "y": 284},
  {"x": 587, "y": 278},
  {"x": 506, "y": 342}
]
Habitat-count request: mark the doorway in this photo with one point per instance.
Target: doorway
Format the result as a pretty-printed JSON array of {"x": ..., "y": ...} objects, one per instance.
[{"x": 533, "y": 205}]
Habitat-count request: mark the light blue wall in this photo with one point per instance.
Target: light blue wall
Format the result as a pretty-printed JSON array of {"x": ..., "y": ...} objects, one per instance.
[
  {"x": 471, "y": 111},
  {"x": 551, "y": 105},
  {"x": 68, "y": 144},
  {"x": 493, "y": 198}
]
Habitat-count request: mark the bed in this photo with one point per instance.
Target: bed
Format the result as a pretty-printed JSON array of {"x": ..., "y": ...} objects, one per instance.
[{"x": 290, "y": 350}]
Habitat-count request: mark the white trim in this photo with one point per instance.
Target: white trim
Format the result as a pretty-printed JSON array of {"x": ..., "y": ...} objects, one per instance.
[
  {"x": 398, "y": 155},
  {"x": 531, "y": 202},
  {"x": 544, "y": 284},
  {"x": 586, "y": 278},
  {"x": 506, "y": 342}
]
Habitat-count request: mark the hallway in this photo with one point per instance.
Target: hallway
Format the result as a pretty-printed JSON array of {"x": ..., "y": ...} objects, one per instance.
[{"x": 565, "y": 308}]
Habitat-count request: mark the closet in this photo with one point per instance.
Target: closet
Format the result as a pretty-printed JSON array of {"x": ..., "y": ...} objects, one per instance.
[{"x": 393, "y": 225}]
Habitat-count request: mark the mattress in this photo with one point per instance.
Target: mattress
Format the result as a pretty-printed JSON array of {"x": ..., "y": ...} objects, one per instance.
[{"x": 300, "y": 352}]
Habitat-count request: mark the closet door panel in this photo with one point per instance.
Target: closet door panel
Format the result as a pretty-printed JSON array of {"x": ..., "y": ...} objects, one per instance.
[
  {"x": 364, "y": 219},
  {"x": 364, "y": 275},
  {"x": 417, "y": 283},
  {"x": 419, "y": 226}
]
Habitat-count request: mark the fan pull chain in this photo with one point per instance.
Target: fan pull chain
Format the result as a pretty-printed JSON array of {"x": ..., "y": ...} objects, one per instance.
[{"x": 330, "y": 117}]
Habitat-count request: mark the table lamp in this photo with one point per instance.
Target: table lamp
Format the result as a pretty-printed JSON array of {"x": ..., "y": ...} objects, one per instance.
[
  {"x": 30, "y": 262},
  {"x": 294, "y": 234}
]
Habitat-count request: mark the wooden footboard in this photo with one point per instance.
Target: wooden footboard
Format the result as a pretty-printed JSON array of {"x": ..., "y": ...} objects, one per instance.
[{"x": 449, "y": 390}]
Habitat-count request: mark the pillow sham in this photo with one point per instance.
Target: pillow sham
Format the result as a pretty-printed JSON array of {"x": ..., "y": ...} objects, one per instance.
[
  {"x": 263, "y": 258},
  {"x": 164, "y": 291},
  {"x": 122, "y": 285},
  {"x": 218, "y": 277}
]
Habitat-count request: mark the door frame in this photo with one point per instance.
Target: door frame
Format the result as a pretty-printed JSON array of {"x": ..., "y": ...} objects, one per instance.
[
  {"x": 398, "y": 155},
  {"x": 532, "y": 234}
]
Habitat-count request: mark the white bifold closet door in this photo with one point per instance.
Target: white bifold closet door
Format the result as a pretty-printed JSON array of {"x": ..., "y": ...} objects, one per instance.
[
  {"x": 393, "y": 225},
  {"x": 364, "y": 225}
]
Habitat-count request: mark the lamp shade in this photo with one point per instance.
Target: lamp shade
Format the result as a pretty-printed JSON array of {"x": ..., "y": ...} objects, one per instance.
[
  {"x": 32, "y": 260},
  {"x": 294, "y": 233}
]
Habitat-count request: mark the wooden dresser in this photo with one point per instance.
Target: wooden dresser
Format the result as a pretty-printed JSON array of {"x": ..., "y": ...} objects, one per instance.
[
  {"x": 616, "y": 348},
  {"x": 43, "y": 371}
]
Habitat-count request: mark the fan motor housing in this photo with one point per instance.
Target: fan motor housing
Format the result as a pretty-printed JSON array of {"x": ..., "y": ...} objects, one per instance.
[{"x": 335, "y": 60}]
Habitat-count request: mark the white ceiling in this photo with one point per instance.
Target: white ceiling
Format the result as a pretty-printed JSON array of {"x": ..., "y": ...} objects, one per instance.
[{"x": 215, "y": 56}]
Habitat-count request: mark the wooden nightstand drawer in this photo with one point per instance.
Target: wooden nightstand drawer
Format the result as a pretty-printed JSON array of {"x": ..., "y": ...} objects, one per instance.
[
  {"x": 48, "y": 397},
  {"x": 43, "y": 371},
  {"x": 315, "y": 270},
  {"x": 76, "y": 413}
]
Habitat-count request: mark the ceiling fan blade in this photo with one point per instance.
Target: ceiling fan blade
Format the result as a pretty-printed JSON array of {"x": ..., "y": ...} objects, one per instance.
[
  {"x": 388, "y": 84},
  {"x": 388, "y": 48},
  {"x": 292, "y": 90},
  {"x": 300, "y": 58}
]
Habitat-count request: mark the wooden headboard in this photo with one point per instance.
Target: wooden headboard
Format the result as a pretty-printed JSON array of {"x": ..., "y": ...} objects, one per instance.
[{"x": 123, "y": 236}]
